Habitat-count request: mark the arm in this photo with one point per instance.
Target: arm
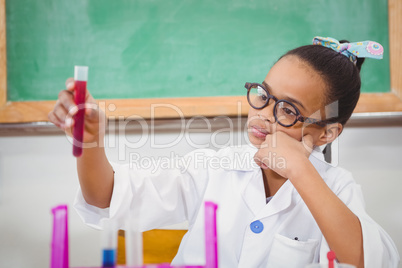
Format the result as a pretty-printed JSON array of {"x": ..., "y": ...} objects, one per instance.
[
  {"x": 94, "y": 170},
  {"x": 339, "y": 225},
  {"x": 96, "y": 177}
]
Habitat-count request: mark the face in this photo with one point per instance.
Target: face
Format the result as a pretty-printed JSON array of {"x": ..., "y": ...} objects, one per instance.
[{"x": 292, "y": 80}]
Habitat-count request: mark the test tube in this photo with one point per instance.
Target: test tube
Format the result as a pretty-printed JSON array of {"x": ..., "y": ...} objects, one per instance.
[
  {"x": 109, "y": 243},
  {"x": 134, "y": 246},
  {"x": 59, "y": 247},
  {"x": 211, "y": 236},
  {"x": 81, "y": 78}
]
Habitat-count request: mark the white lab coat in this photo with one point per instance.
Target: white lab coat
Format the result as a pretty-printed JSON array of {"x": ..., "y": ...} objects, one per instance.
[{"x": 287, "y": 234}]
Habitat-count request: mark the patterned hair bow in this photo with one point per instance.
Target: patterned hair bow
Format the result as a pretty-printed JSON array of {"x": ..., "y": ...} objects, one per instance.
[{"x": 365, "y": 49}]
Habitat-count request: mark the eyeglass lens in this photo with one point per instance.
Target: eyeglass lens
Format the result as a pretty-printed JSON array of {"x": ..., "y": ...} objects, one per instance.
[{"x": 285, "y": 112}]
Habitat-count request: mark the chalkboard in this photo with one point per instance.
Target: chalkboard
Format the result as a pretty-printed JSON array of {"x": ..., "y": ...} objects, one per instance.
[{"x": 175, "y": 48}]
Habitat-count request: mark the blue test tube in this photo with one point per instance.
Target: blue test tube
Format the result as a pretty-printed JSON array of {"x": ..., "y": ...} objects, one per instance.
[{"x": 109, "y": 243}]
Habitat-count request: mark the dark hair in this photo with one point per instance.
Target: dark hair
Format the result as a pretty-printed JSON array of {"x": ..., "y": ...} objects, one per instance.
[{"x": 341, "y": 76}]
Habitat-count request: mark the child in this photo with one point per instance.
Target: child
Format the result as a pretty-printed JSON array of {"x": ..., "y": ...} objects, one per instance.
[{"x": 279, "y": 203}]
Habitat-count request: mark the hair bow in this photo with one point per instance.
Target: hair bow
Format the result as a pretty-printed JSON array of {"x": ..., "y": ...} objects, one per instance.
[{"x": 365, "y": 49}]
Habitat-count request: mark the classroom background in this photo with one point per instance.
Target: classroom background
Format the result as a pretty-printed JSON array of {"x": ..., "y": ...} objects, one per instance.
[
  {"x": 37, "y": 172},
  {"x": 163, "y": 56}
]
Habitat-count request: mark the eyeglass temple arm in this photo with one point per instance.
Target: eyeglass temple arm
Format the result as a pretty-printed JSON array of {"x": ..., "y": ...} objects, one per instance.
[{"x": 308, "y": 120}]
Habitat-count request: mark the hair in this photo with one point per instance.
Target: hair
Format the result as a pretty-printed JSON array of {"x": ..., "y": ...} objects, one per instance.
[{"x": 341, "y": 76}]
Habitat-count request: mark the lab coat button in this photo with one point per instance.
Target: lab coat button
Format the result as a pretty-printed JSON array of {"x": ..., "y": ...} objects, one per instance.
[{"x": 256, "y": 227}]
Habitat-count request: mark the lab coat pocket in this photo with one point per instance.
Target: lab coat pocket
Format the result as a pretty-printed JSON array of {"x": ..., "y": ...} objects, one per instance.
[{"x": 286, "y": 252}]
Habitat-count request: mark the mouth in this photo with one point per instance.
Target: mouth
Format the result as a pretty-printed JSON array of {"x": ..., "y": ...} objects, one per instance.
[{"x": 259, "y": 132}]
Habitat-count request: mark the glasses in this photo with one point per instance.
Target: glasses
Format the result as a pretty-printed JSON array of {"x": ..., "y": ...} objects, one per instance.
[{"x": 285, "y": 112}]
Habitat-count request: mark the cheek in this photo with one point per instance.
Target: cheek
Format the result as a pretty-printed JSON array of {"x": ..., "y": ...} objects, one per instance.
[
  {"x": 309, "y": 130},
  {"x": 295, "y": 133},
  {"x": 251, "y": 112},
  {"x": 298, "y": 132},
  {"x": 252, "y": 115}
]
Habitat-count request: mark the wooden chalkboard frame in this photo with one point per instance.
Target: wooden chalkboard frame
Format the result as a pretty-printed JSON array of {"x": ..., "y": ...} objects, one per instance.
[{"x": 36, "y": 111}]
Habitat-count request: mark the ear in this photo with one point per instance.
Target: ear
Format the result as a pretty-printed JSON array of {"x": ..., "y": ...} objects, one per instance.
[{"x": 329, "y": 133}]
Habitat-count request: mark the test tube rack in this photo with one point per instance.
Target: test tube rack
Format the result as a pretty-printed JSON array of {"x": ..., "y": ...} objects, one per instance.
[{"x": 59, "y": 246}]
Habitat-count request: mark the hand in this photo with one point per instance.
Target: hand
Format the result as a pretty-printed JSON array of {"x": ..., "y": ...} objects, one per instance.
[
  {"x": 65, "y": 108},
  {"x": 284, "y": 154}
]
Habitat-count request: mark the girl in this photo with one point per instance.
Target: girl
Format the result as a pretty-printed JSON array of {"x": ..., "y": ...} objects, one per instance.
[{"x": 280, "y": 204}]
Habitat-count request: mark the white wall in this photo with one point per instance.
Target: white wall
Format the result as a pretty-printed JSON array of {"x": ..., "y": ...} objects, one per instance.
[{"x": 37, "y": 172}]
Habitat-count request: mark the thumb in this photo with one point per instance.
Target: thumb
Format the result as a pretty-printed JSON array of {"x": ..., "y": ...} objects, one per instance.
[
  {"x": 92, "y": 111},
  {"x": 91, "y": 107},
  {"x": 307, "y": 142}
]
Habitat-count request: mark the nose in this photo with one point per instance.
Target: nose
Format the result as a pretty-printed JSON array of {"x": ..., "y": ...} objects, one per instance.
[{"x": 267, "y": 114}]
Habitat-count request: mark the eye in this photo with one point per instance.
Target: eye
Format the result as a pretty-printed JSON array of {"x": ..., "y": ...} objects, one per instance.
[
  {"x": 262, "y": 97},
  {"x": 262, "y": 94},
  {"x": 288, "y": 111}
]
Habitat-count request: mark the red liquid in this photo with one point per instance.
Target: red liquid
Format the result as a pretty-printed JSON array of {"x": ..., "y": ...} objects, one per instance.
[{"x": 78, "y": 131}]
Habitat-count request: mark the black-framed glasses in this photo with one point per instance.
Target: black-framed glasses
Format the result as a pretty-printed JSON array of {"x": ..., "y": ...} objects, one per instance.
[{"x": 285, "y": 112}]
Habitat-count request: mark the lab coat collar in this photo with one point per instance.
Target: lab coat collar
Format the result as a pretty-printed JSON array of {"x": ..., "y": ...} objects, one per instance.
[
  {"x": 254, "y": 196},
  {"x": 318, "y": 161},
  {"x": 253, "y": 192},
  {"x": 284, "y": 198}
]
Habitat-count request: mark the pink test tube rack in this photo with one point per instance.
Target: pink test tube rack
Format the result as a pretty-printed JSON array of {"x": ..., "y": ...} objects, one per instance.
[{"x": 59, "y": 247}]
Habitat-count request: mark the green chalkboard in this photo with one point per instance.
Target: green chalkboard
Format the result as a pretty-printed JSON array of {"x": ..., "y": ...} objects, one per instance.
[{"x": 175, "y": 48}]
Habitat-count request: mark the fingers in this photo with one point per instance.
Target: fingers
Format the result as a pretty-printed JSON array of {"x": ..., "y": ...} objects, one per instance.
[
  {"x": 66, "y": 107},
  {"x": 308, "y": 142},
  {"x": 61, "y": 118},
  {"x": 60, "y": 113},
  {"x": 64, "y": 110},
  {"x": 55, "y": 120},
  {"x": 261, "y": 164},
  {"x": 70, "y": 85},
  {"x": 66, "y": 99}
]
